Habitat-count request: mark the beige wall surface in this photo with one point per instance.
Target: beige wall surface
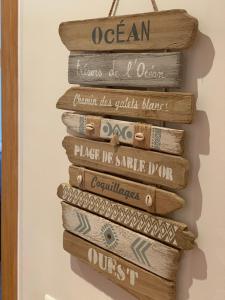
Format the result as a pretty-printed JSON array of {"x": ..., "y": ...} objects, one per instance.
[{"x": 44, "y": 268}]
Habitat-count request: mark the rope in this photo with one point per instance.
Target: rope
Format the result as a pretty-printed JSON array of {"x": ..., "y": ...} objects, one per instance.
[
  {"x": 155, "y": 7},
  {"x": 112, "y": 8},
  {"x": 153, "y": 2}
]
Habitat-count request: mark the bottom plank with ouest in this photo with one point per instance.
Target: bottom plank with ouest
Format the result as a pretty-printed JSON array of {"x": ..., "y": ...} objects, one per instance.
[
  {"x": 144, "y": 285},
  {"x": 147, "y": 253}
]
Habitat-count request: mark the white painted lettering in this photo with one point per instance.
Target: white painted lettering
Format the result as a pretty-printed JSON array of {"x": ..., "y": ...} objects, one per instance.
[
  {"x": 120, "y": 273},
  {"x": 161, "y": 171},
  {"x": 92, "y": 256},
  {"x": 110, "y": 265},
  {"x": 133, "y": 276},
  {"x": 103, "y": 263}
]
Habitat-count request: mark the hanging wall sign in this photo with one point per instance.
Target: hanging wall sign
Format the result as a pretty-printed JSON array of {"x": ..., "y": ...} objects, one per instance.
[
  {"x": 146, "y": 197},
  {"x": 173, "y": 29},
  {"x": 125, "y": 161},
  {"x": 126, "y": 69},
  {"x": 147, "y": 166},
  {"x": 139, "y": 135},
  {"x": 139, "y": 282},
  {"x": 176, "y": 233},
  {"x": 163, "y": 106},
  {"x": 155, "y": 257}
]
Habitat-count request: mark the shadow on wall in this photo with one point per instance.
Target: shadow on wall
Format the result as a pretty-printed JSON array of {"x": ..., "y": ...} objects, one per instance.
[
  {"x": 99, "y": 281},
  {"x": 199, "y": 60}
]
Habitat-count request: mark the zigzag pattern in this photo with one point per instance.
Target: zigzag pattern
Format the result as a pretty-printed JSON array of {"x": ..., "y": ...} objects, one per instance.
[
  {"x": 132, "y": 218},
  {"x": 83, "y": 122},
  {"x": 156, "y": 138}
]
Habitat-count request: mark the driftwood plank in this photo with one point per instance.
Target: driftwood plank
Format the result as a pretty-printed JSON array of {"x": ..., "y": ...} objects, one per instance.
[
  {"x": 173, "y": 233},
  {"x": 173, "y": 29},
  {"x": 140, "y": 135},
  {"x": 169, "y": 106},
  {"x": 125, "y": 274},
  {"x": 126, "y": 69},
  {"x": 143, "y": 165},
  {"x": 146, "y": 197},
  {"x": 151, "y": 255}
]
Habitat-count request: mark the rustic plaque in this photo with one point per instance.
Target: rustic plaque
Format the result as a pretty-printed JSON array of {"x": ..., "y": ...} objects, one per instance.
[
  {"x": 143, "y": 284},
  {"x": 126, "y": 69},
  {"x": 142, "y": 196},
  {"x": 173, "y": 233},
  {"x": 140, "y": 135},
  {"x": 121, "y": 151},
  {"x": 149, "y": 254},
  {"x": 163, "y": 106},
  {"x": 173, "y": 29},
  {"x": 142, "y": 165}
]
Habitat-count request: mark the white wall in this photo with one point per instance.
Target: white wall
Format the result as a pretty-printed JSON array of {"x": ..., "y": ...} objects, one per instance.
[{"x": 43, "y": 266}]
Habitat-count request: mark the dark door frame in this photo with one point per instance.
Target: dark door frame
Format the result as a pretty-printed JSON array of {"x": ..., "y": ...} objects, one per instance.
[{"x": 9, "y": 200}]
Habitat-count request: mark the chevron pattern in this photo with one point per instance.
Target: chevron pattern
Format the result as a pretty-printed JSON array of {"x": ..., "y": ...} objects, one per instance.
[
  {"x": 139, "y": 248},
  {"x": 84, "y": 225},
  {"x": 142, "y": 222}
]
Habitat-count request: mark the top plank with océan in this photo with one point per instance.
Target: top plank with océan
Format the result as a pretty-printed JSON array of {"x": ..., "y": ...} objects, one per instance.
[{"x": 171, "y": 30}]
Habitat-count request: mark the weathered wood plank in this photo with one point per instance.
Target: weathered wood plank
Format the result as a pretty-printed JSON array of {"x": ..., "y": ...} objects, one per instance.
[
  {"x": 173, "y": 233},
  {"x": 123, "y": 273},
  {"x": 151, "y": 255},
  {"x": 146, "y": 197},
  {"x": 143, "y": 165},
  {"x": 140, "y": 135},
  {"x": 173, "y": 29},
  {"x": 161, "y": 70},
  {"x": 169, "y": 106}
]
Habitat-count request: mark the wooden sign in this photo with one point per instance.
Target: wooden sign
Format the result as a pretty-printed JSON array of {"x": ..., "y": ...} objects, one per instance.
[
  {"x": 142, "y": 165},
  {"x": 122, "y": 153},
  {"x": 149, "y": 254},
  {"x": 173, "y": 233},
  {"x": 173, "y": 29},
  {"x": 144, "y": 285},
  {"x": 139, "y": 135},
  {"x": 139, "y": 195},
  {"x": 163, "y": 106},
  {"x": 161, "y": 70}
]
